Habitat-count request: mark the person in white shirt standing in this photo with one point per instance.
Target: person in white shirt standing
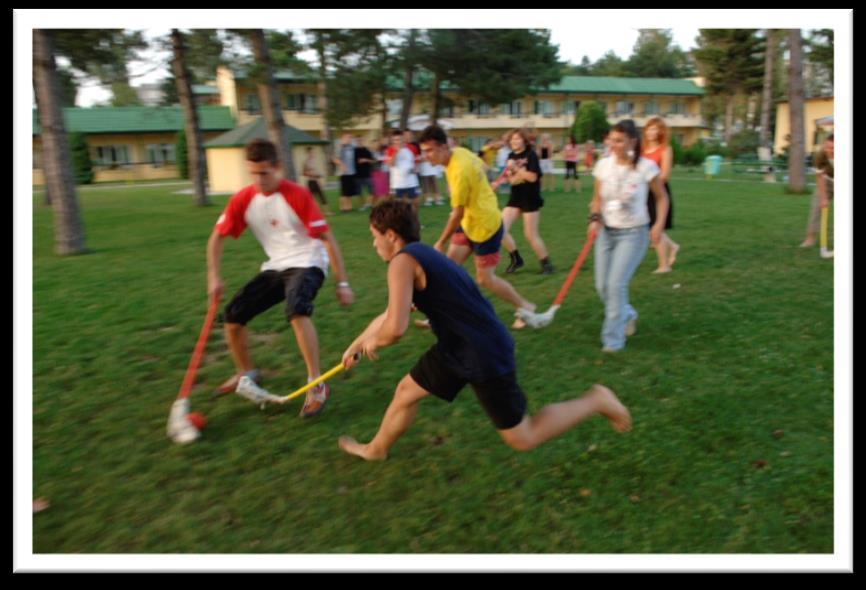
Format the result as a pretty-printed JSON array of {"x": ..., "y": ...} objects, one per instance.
[
  {"x": 290, "y": 228},
  {"x": 619, "y": 217},
  {"x": 404, "y": 181}
]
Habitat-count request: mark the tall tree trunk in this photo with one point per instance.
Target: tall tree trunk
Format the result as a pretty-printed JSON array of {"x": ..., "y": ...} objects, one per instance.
[
  {"x": 408, "y": 90},
  {"x": 796, "y": 151},
  {"x": 194, "y": 144},
  {"x": 384, "y": 113},
  {"x": 322, "y": 89},
  {"x": 767, "y": 91},
  {"x": 751, "y": 109},
  {"x": 729, "y": 117},
  {"x": 56, "y": 161},
  {"x": 437, "y": 97},
  {"x": 270, "y": 99}
]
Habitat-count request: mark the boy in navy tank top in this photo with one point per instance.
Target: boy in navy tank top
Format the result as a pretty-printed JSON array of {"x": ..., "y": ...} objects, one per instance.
[{"x": 472, "y": 346}]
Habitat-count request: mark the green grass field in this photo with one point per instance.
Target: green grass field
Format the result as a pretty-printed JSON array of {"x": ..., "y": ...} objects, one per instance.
[{"x": 729, "y": 380}]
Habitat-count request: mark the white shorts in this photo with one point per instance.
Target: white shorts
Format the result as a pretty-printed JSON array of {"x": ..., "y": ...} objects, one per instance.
[{"x": 546, "y": 166}]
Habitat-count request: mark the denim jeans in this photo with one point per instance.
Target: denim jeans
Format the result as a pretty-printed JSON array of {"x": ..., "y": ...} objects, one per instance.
[{"x": 618, "y": 253}]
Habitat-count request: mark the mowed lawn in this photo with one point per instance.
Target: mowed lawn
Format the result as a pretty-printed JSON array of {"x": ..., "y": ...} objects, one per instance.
[{"x": 729, "y": 380}]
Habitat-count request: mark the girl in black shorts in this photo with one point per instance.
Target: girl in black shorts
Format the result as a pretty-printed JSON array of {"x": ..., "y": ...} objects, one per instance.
[{"x": 524, "y": 175}]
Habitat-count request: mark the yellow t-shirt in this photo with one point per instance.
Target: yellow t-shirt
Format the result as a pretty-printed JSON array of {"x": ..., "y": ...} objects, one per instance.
[{"x": 471, "y": 190}]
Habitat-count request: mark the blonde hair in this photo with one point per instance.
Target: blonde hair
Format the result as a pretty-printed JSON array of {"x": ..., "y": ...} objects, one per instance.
[{"x": 658, "y": 123}]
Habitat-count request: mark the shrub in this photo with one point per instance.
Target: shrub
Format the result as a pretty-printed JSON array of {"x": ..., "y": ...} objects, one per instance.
[
  {"x": 82, "y": 166},
  {"x": 744, "y": 143},
  {"x": 180, "y": 154}
]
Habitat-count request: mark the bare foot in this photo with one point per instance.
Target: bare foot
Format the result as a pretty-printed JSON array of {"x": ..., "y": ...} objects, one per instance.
[
  {"x": 353, "y": 447},
  {"x": 673, "y": 255},
  {"x": 660, "y": 271},
  {"x": 611, "y": 408}
]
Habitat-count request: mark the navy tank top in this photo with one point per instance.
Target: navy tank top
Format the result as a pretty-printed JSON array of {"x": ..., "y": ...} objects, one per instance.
[{"x": 476, "y": 344}]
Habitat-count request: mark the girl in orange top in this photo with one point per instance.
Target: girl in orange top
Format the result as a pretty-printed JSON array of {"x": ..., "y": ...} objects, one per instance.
[
  {"x": 589, "y": 157},
  {"x": 656, "y": 148}
]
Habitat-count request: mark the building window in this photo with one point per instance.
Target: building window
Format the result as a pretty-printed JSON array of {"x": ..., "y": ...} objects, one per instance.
[
  {"x": 111, "y": 155},
  {"x": 651, "y": 108},
  {"x": 624, "y": 108},
  {"x": 475, "y": 143},
  {"x": 160, "y": 154},
  {"x": 303, "y": 103},
  {"x": 479, "y": 108},
  {"x": 395, "y": 107},
  {"x": 510, "y": 108},
  {"x": 570, "y": 107},
  {"x": 677, "y": 108},
  {"x": 252, "y": 104},
  {"x": 544, "y": 108}
]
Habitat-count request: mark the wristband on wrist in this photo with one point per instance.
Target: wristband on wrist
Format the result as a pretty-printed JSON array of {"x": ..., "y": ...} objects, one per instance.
[
  {"x": 342, "y": 284},
  {"x": 594, "y": 217}
]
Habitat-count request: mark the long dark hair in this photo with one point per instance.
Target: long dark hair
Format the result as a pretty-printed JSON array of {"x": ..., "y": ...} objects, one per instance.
[{"x": 628, "y": 127}]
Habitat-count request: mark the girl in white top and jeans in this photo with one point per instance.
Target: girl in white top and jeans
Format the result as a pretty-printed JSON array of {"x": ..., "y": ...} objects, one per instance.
[{"x": 618, "y": 213}]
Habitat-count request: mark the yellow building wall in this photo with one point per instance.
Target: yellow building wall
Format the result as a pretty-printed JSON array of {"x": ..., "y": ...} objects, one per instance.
[
  {"x": 813, "y": 109},
  {"x": 139, "y": 168}
]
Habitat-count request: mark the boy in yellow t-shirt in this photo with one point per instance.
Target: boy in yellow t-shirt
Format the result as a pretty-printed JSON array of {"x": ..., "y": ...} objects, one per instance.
[{"x": 475, "y": 224}]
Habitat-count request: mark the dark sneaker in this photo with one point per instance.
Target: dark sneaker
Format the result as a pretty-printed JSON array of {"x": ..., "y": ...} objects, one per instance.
[
  {"x": 546, "y": 268},
  {"x": 316, "y": 399},
  {"x": 516, "y": 262}
]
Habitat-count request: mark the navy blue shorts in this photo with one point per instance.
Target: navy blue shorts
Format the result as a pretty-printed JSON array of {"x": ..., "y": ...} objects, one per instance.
[
  {"x": 501, "y": 397},
  {"x": 296, "y": 286},
  {"x": 406, "y": 193}
]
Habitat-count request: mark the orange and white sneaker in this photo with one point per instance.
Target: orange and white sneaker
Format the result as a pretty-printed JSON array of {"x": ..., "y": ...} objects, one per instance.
[{"x": 316, "y": 399}]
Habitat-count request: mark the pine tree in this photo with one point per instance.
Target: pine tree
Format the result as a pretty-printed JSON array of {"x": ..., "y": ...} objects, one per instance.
[{"x": 82, "y": 166}]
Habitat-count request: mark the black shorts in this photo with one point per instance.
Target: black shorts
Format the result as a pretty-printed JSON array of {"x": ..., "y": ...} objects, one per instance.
[
  {"x": 651, "y": 208},
  {"x": 296, "y": 286},
  {"x": 348, "y": 185},
  {"x": 526, "y": 204},
  {"x": 571, "y": 170},
  {"x": 501, "y": 397},
  {"x": 314, "y": 187}
]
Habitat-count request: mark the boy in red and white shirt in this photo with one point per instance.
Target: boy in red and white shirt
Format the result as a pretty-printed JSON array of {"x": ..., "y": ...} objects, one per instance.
[{"x": 288, "y": 224}]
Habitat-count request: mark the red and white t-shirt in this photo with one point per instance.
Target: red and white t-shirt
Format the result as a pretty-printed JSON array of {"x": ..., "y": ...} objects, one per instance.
[{"x": 287, "y": 223}]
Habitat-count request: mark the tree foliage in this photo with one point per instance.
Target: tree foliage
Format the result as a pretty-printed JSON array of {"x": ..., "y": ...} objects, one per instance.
[
  {"x": 590, "y": 122},
  {"x": 655, "y": 56}
]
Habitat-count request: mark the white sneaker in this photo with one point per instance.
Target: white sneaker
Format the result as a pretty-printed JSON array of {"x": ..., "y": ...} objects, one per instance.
[
  {"x": 249, "y": 389},
  {"x": 179, "y": 429}
]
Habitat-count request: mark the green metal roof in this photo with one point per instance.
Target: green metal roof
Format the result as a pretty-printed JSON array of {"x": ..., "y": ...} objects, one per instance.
[
  {"x": 241, "y": 136},
  {"x": 610, "y": 85},
  {"x": 279, "y": 75},
  {"x": 139, "y": 119},
  {"x": 579, "y": 85}
]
